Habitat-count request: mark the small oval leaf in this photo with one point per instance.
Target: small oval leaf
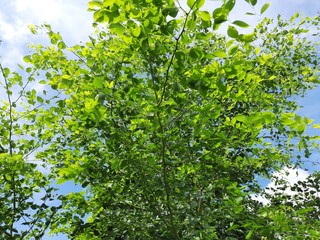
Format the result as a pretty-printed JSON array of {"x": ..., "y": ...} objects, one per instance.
[
  {"x": 249, "y": 235},
  {"x": 199, "y": 3},
  {"x": 220, "y": 54},
  {"x": 94, "y": 4},
  {"x": 264, "y": 8},
  {"x": 205, "y": 16},
  {"x": 117, "y": 28},
  {"x": 232, "y": 32},
  {"x": 241, "y": 24},
  {"x": 229, "y": 5},
  {"x": 190, "y": 3},
  {"x": 253, "y": 2},
  {"x": 220, "y": 15},
  {"x": 26, "y": 59}
]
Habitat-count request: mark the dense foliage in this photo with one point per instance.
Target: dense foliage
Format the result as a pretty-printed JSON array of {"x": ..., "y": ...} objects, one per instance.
[{"x": 165, "y": 124}]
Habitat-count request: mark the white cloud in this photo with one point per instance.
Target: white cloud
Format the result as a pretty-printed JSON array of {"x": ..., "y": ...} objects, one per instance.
[
  {"x": 70, "y": 18},
  {"x": 285, "y": 177},
  {"x": 11, "y": 31},
  {"x": 48, "y": 11},
  {"x": 290, "y": 177}
]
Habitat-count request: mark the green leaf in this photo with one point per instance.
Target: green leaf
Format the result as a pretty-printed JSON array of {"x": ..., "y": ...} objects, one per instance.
[
  {"x": 286, "y": 119},
  {"x": 233, "y": 50},
  {"x": 220, "y": 15},
  {"x": 205, "y": 15},
  {"x": 191, "y": 24},
  {"x": 6, "y": 72},
  {"x": 94, "y": 4},
  {"x": 220, "y": 54},
  {"x": 173, "y": 12},
  {"x": 196, "y": 53},
  {"x": 301, "y": 128},
  {"x": 90, "y": 104},
  {"x": 148, "y": 25},
  {"x": 117, "y": 28},
  {"x": 109, "y": 3},
  {"x": 40, "y": 99},
  {"x": 303, "y": 211},
  {"x": 66, "y": 83},
  {"x": 241, "y": 24},
  {"x": 26, "y": 59},
  {"x": 268, "y": 117},
  {"x": 199, "y": 3},
  {"x": 229, "y": 5},
  {"x": 295, "y": 16},
  {"x": 221, "y": 86},
  {"x": 98, "y": 82},
  {"x": 193, "y": 204},
  {"x": 264, "y": 7},
  {"x": 109, "y": 84},
  {"x": 253, "y": 2},
  {"x": 316, "y": 126},
  {"x": 136, "y": 31},
  {"x": 204, "y": 36},
  {"x": 232, "y": 32},
  {"x": 61, "y": 45},
  {"x": 101, "y": 98},
  {"x": 32, "y": 28},
  {"x": 247, "y": 37},
  {"x": 190, "y": 3},
  {"x": 61, "y": 181},
  {"x": 249, "y": 235},
  {"x": 241, "y": 118}
]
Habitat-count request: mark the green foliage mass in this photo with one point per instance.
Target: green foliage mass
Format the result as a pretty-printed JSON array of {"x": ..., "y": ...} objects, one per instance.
[{"x": 165, "y": 124}]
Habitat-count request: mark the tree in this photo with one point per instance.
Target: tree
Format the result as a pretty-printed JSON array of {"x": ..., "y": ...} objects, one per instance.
[
  {"x": 26, "y": 194},
  {"x": 301, "y": 203},
  {"x": 166, "y": 123}
]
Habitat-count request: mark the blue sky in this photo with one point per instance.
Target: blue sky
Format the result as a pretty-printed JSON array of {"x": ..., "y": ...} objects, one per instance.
[{"x": 70, "y": 18}]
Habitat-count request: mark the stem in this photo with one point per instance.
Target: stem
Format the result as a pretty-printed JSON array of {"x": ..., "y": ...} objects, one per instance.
[
  {"x": 164, "y": 88},
  {"x": 165, "y": 178},
  {"x": 162, "y": 130},
  {"x": 10, "y": 151}
]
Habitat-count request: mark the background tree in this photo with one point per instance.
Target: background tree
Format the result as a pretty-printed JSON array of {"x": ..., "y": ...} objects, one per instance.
[
  {"x": 296, "y": 206},
  {"x": 26, "y": 194},
  {"x": 166, "y": 123}
]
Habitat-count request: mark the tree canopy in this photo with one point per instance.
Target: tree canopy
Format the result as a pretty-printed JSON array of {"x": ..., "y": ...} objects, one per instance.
[{"x": 165, "y": 122}]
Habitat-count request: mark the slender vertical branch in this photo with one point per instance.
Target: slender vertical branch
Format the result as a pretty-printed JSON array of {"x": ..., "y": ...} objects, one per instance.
[
  {"x": 162, "y": 130},
  {"x": 164, "y": 87},
  {"x": 165, "y": 178},
  {"x": 10, "y": 108},
  {"x": 14, "y": 202}
]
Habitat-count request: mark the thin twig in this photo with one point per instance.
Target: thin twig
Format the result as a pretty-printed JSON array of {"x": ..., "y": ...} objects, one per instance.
[{"x": 10, "y": 148}]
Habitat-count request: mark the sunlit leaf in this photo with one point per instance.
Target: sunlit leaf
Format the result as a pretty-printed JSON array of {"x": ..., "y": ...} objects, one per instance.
[
  {"x": 205, "y": 15},
  {"x": 94, "y": 4},
  {"x": 249, "y": 235},
  {"x": 229, "y": 5},
  {"x": 190, "y": 3},
  {"x": 264, "y": 7},
  {"x": 199, "y": 3},
  {"x": 241, "y": 24},
  {"x": 232, "y": 32},
  {"x": 253, "y": 2},
  {"x": 117, "y": 28},
  {"x": 98, "y": 82}
]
